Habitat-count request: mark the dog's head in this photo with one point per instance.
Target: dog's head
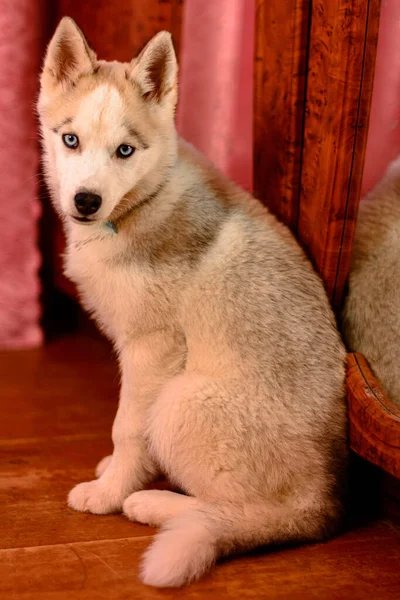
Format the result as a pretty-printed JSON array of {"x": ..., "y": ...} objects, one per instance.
[{"x": 108, "y": 128}]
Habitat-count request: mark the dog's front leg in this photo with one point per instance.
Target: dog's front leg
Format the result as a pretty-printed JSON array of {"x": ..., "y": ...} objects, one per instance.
[{"x": 146, "y": 366}]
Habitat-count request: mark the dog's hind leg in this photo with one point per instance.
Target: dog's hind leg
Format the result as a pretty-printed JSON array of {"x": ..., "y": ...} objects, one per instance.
[
  {"x": 102, "y": 465},
  {"x": 155, "y": 507},
  {"x": 250, "y": 487}
]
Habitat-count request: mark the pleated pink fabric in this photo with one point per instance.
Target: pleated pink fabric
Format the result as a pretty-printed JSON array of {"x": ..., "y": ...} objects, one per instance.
[
  {"x": 20, "y": 52},
  {"x": 216, "y": 83},
  {"x": 384, "y": 129}
]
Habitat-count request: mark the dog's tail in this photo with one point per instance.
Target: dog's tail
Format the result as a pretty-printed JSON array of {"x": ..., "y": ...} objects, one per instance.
[{"x": 190, "y": 544}]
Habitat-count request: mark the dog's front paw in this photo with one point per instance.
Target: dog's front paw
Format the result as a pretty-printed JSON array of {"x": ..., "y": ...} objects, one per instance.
[{"x": 94, "y": 497}]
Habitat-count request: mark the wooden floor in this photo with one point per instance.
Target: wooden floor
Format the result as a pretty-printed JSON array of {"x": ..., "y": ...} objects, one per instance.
[{"x": 57, "y": 406}]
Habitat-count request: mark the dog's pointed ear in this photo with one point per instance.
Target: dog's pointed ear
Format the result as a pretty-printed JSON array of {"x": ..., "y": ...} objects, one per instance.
[
  {"x": 155, "y": 70},
  {"x": 68, "y": 56}
]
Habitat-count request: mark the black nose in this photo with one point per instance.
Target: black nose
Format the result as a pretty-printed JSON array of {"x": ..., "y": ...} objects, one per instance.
[{"x": 87, "y": 203}]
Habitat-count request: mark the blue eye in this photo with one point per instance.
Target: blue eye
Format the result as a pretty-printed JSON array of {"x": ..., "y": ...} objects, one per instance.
[
  {"x": 70, "y": 140},
  {"x": 125, "y": 151}
]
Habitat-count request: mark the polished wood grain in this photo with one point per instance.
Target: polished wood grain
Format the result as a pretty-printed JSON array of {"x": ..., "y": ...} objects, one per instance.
[
  {"x": 313, "y": 88},
  {"x": 359, "y": 565},
  {"x": 374, "y": 420},
  {"x": 281, "y": 38},
  {"x": 58, "y": 404},
  {"x": 342, "y": 48}
]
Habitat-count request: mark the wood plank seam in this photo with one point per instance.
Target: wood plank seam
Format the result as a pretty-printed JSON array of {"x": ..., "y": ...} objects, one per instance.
[
  {"x": 303, "y": 123},
  {"x": 335, "y": 299}
]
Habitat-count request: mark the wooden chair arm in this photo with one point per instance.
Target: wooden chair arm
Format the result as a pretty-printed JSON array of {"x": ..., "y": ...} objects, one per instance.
[{"x": 374, "y": 421}]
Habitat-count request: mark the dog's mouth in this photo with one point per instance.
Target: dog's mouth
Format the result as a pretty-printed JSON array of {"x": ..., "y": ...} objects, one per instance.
[{"x": 83, "y": 220}]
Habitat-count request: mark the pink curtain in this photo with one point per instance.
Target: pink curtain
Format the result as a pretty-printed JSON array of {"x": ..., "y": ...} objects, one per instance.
[
  {"x": 384, "y": 129},
  {"x": 20, "y": 52},
  {"x": 216, "y": 83}
]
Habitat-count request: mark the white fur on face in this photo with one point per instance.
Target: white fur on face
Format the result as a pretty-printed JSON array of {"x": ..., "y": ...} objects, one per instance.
[{"x": 94, "y": 166}]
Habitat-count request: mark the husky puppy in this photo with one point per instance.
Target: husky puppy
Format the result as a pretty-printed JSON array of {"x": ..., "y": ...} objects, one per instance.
[
  {"x": 371, "y": 320},
  {"x": 232, "y": 366}
]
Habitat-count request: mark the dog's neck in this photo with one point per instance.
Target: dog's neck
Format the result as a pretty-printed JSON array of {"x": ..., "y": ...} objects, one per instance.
[{"x": 115, "y": 224}]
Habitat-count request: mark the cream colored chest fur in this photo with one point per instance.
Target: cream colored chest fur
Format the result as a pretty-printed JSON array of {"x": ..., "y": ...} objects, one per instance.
[{"x": 127, "y": 297}]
